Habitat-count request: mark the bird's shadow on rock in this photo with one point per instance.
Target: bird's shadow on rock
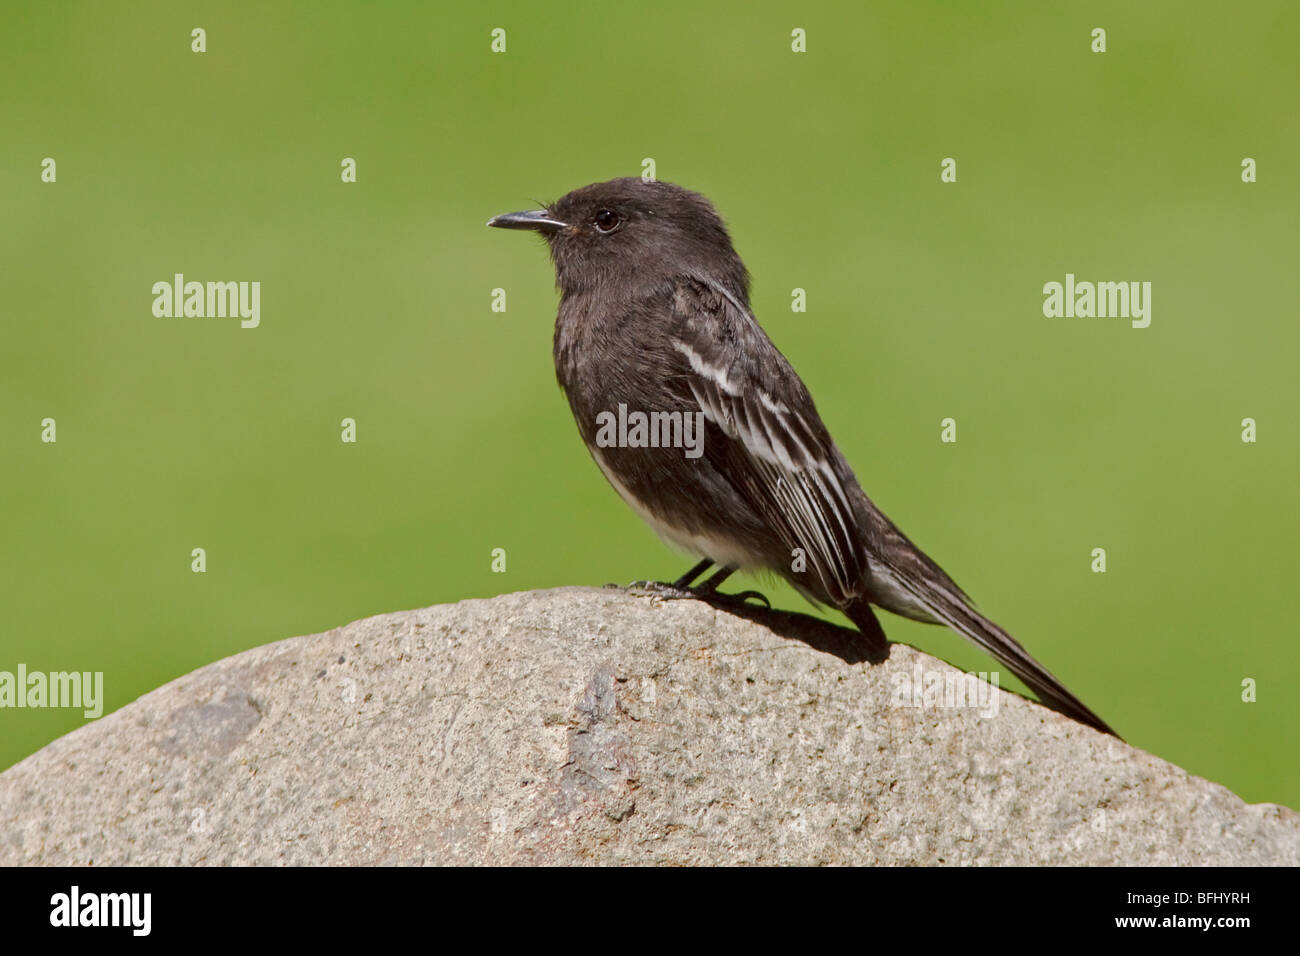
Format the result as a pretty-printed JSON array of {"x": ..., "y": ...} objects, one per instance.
[{"x": 848, "y": 644}]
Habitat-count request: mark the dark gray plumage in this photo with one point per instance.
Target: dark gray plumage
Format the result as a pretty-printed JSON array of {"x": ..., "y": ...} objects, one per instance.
[{"x": 654, "y": 315}]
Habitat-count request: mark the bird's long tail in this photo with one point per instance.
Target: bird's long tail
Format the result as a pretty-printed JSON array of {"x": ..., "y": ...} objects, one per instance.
[{"x": 949, "y": 609}]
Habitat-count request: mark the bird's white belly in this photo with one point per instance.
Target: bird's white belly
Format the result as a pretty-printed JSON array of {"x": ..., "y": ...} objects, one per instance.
[{"x": 720, "y": 551}]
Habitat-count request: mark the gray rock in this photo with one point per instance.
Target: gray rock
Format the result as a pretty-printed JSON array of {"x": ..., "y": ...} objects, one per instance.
[{"x": 593, "y": 726}]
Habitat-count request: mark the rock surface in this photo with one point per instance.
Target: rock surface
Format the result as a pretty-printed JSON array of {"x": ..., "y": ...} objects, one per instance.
[{"x": 592, "y": 726}]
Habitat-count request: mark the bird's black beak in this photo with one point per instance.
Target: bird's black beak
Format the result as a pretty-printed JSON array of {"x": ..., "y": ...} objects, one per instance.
[{"x": 538, "y": 219}]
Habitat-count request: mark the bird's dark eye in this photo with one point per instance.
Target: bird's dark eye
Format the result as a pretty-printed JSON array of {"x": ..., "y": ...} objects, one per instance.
[{"x": 607, "y": 220}]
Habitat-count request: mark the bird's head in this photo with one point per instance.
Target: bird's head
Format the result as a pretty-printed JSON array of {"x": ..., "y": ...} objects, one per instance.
[{"x": 633, "y": 231}]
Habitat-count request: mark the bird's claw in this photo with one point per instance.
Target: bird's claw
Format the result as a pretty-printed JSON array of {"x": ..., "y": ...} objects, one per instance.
[
  {"x": 744, "y": 596},
  {"x": 672, "y": 592},
  {"x": 660, "y": 589}
]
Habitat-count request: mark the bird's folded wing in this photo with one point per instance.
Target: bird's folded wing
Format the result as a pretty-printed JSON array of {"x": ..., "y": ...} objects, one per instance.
[{"x": 776, "y": 453}]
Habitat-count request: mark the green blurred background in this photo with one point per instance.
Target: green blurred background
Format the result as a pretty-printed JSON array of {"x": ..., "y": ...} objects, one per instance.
[{"x": 924, "y": 301}]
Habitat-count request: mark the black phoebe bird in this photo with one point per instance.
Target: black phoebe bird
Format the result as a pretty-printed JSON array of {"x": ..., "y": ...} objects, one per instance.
[{"x": 654, "y": 336}]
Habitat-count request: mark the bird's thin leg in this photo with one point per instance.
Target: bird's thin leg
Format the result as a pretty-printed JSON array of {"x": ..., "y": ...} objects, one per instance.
[
  {"x": 681, "y": 588},
  {"x": 706, "y": 591},
  {"x": 714, "y": 581},
  {"x": 685, "y": 580},
  {"x": 709, "y": 589}
]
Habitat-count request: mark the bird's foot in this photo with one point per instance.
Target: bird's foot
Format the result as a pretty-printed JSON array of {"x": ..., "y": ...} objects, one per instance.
[
  {"x": 708, "y": 591},
  {"x": 702, "y": 592},
  {"x": 659, "y": 589},
  {"x": 739, "y": 599}
]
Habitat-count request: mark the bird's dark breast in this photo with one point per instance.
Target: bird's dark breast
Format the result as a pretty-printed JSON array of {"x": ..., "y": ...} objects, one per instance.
[{"x": 617, "y": 356}]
